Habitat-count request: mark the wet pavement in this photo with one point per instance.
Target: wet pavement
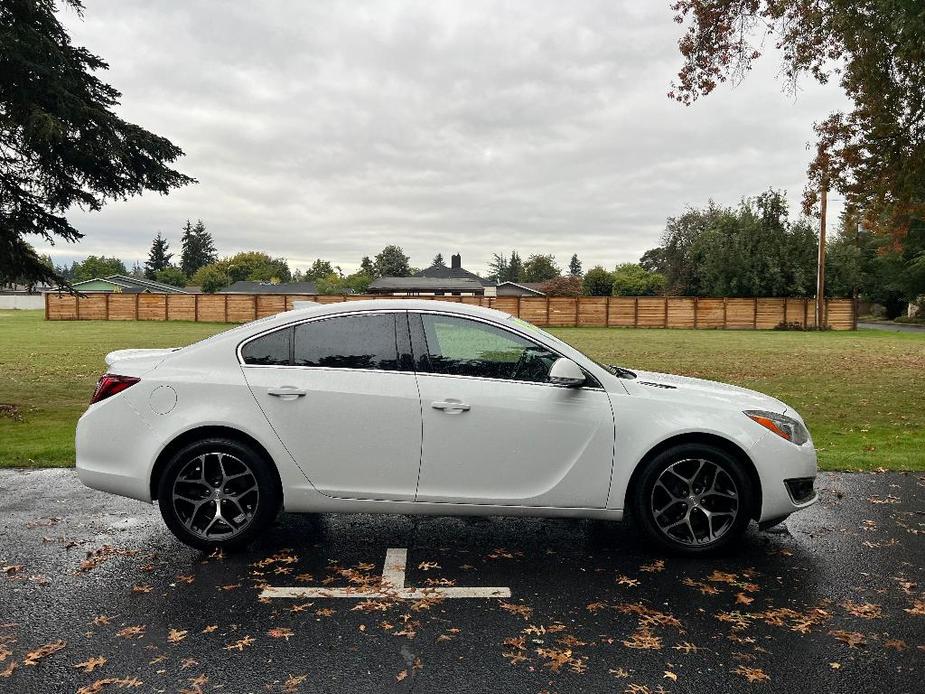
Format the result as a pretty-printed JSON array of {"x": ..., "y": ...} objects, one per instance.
[{"x": 97, "y": 596}]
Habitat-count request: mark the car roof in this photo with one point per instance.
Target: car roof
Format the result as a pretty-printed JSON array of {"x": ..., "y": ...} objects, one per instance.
[
  {"x": 392, "y": 305},
  {"x": 245, "y": 330}
]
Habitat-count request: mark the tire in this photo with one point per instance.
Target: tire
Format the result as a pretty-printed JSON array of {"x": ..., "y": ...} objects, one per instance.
[
  {"x": 218, "y": 473},
  {"x": 705, "y": 514}
]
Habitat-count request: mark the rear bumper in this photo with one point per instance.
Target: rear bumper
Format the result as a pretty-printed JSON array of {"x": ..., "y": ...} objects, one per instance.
[
  {"x": 777, "y": 461},
  {"x": 112, "y": 444}
]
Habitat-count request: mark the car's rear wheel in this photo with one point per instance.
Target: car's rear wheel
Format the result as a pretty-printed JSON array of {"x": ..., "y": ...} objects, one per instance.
[
  {"x": 693, "y": 499},
  {"x": 218, "y": 493}
]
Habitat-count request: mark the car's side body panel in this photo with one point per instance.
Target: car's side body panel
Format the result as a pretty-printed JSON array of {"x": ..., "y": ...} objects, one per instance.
[
  {"x": 643, "y": 423},
  {"x": 356, "y": 433},
  {"x": 520, "y": 444}
]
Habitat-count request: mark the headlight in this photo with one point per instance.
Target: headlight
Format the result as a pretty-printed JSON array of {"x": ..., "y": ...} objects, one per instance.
[{"x": 785, "y": 427}]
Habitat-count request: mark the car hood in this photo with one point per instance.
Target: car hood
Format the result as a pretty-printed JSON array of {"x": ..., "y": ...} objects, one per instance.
[{"x": 683, "y": 389}]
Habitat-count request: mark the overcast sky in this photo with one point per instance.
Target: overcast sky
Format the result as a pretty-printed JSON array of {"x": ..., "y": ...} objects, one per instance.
[{"x": 328, "y": 129}]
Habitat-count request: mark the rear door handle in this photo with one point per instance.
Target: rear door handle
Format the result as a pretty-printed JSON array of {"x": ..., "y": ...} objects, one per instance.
[
  {"x": 286, "y": 392},
  {"x": 450, "y": 406}
]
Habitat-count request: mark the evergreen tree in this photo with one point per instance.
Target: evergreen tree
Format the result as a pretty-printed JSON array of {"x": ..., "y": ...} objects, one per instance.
[
  {"x": 574, "y": 266},
  {"x": 63, "y": 144},
  {"x": 198, "y": 248},
  {"x": 368, "y": 268},
  {"x": 515, "y": 268},
  {"x": 158, "y": 257},
  {"x": 392, "y": 262},
  {"x": 502, "y": 269},
  {"x": 438, "y": 261}
]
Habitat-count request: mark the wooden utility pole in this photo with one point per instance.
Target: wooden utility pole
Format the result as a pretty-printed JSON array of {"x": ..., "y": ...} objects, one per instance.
[{"x": 820, "y": 268}]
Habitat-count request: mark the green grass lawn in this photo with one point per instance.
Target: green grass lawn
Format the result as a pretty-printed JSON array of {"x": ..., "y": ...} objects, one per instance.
[{"x": 861, "y": 393}]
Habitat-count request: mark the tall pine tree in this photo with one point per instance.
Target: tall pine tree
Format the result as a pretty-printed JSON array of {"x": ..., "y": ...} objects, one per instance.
[
  {"x": 198, "y": 248},
  {"x": 64, "y": 145},
  {"x": 158, "y": 257},
  {"x": 574, "y": 266}
]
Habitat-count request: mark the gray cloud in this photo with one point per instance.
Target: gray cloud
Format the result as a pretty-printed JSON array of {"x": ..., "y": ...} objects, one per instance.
[{"x": 330, "y": 129}]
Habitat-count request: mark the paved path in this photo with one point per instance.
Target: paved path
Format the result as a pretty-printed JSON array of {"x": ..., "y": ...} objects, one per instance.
[
  {"x": 893, "y": 327},
  {"x": 102, "y": 597}
]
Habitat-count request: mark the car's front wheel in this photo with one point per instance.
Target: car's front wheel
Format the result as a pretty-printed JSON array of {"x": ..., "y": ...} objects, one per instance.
[
  {"x": 693, "y": 499},
  {"x": 218, "y": 493}
]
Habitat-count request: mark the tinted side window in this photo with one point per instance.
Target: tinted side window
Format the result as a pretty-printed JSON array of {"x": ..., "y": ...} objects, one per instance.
[
  {"x": 271, "y": 349},
  {"x": 462, "y": 347},
  {"x": 349, "y": 342}
]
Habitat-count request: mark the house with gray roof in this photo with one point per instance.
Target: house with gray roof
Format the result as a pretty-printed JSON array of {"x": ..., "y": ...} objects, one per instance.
[
  {"x": 125, "y": 284},
  {"x": 417, "y": 286},
  {"x": 245, "y": 287}
]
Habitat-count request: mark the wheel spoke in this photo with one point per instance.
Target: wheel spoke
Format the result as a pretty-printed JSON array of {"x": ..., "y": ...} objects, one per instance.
[
  {"x": 661, "y": 485},
  {"x": 237, "y": 495},
  {"x": 710, "y": 501},
  {"x": 228, "y": 480}
]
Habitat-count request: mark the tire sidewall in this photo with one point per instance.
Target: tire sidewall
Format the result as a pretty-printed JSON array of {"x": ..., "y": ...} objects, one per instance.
[
  {"x": 642, "y": 491},
  {"x": 267, "y": 483}
]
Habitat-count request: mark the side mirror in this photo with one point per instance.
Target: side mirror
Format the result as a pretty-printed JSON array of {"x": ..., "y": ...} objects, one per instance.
[{"x": 565, "y": 372}]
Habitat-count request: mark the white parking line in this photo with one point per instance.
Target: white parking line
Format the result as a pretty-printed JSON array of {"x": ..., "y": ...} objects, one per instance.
[{"x": 392, "y": 586}]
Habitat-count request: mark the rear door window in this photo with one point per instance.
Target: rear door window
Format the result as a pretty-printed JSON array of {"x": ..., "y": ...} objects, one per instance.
[{"x": 362, "y": 341}]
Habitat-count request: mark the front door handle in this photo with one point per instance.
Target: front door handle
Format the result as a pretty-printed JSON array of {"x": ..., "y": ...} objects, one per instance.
[
  {"x": 286, "y": 392},
  {"x": 450, "y": 406}
]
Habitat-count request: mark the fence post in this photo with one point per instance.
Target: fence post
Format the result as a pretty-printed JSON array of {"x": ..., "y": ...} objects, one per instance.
[
  {"x": 635, "y": 311},
  {"x": 195, "y": 308},
  {"x": 666, "y": 311},
  {"x": 547, "y": 309},
  {"x": 724, "y": 312},
  {"x": 137, "y": 296},
  {"x": 607, "y": 313},
  {"x": 786, "y": 301},
  {"x": 755, "y": 316},
  {"x": 805, "y": 312},
  {"x": 696, "y": 305},
  {"x": 77, "y": 306},
  {"x": 577, "y": 310},
  {"x": 46, "y": 295},
  {"x": 518, "y": 306}
]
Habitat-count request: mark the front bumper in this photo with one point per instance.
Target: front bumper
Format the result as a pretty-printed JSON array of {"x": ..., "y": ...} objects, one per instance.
[{"x": 777, "y": 462}]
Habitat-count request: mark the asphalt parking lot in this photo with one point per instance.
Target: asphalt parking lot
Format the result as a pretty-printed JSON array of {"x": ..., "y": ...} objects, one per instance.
[{"x": 97, "y": 596}]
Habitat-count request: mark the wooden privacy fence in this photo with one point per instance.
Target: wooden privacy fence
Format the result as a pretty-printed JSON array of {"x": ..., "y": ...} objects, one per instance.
[{"x": 564, "y": 311}]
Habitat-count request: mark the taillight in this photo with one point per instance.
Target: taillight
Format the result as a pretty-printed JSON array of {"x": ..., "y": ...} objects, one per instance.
[{"x": 110, "y": 384}]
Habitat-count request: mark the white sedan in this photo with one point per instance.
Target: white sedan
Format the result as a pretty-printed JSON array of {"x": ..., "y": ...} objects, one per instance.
[{"x": 411, "y": 406}]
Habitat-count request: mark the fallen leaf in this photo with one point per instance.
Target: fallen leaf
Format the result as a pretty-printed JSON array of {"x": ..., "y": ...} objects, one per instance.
[
  {"x": 132, "y": 632},
  {"x": 852, "y": 638},
  {"x": 240, "y": 644},
  {"x": 752, "y": 674},
  {"x": 176, "y": 635},
  {"x": 118, "y": 682},
  {"x": 90, "y": 664},
  {"x": 33, "y": 657}
]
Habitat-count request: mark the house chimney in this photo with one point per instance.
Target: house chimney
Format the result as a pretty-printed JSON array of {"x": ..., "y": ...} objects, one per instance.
[{"x": 456, "y": 261}]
